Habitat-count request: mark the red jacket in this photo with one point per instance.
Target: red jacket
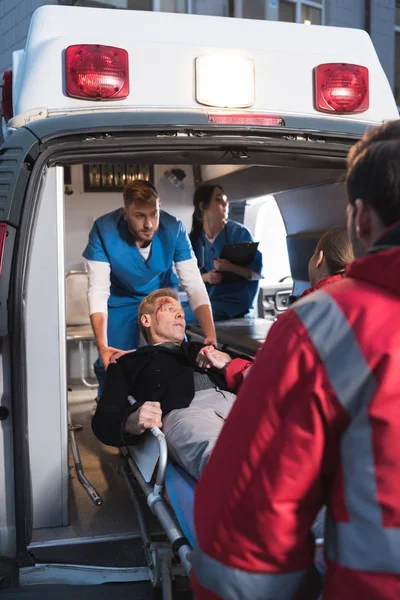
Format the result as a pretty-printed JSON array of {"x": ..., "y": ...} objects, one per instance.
[
  {"x": 321, "y": 284},
  {"x": 316, "y": 421}
]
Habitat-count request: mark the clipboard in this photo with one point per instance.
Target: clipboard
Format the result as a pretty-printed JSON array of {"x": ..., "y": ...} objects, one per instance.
[{"x": 241, "y": 254}]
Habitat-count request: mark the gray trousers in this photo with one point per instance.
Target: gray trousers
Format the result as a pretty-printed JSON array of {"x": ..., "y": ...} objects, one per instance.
[{"x": 192, "y": 432}]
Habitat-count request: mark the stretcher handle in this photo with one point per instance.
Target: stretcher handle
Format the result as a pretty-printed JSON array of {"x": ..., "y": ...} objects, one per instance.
[{"x": 163, "y": 450}]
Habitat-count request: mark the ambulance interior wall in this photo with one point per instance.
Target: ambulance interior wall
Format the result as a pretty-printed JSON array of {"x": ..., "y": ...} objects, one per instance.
[{"x": 307, "y": 212}]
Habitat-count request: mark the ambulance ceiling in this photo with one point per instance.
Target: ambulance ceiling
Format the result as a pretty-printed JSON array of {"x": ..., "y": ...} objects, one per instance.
[
  {"x": 310, "y": 200},
  {"x": 251, "y": 182}
]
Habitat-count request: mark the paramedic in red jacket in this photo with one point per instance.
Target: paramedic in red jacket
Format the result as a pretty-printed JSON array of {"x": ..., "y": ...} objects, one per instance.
[
  {"x": 317, "y": 421},
  {"x": 330, "y": 260}
]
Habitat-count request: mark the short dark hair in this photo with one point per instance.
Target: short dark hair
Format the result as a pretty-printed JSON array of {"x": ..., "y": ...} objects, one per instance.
[
  {"x": 146, "y": 307},
  {"x": 373, "y": 171},
  {"x": 139, "y": 191}
]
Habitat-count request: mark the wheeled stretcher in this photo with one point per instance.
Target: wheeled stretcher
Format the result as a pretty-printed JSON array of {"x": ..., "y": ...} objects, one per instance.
[{"x": 169, "y": 492}]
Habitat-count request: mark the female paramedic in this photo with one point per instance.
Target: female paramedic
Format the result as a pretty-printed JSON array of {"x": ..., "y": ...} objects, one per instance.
[
  {"x": 211, "y": 231},
  {"x": 331, "y": 257},
  {"x": 130, "y": 253}
]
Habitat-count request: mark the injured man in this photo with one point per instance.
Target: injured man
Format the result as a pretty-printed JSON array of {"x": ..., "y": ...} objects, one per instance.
[{"x": 184, "y": 387}]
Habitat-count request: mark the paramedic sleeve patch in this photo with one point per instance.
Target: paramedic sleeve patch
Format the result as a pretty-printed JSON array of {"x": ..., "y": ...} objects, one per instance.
[{"x": 95, "y": 249}]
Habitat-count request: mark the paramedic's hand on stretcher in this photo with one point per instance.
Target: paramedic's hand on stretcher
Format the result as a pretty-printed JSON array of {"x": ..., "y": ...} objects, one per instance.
[
  {"x": 147, "y": 416},
  {"x": 211, "y": 357},
  {"x": 107, "y": 352}
]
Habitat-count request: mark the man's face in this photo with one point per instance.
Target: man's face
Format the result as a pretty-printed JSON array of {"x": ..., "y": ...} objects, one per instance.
[
  {"x": 167, "y": 322},
  {"x": 142, "y": 220}
]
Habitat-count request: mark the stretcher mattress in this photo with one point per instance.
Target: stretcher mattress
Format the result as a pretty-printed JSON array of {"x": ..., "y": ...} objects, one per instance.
[{"x": 180, "y": 490}]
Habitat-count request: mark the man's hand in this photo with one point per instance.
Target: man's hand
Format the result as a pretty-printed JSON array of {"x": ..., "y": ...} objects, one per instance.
[
  {"x": 212, "y": 277},
  {"x": 106, "y": 352},
  {"x": 147, "y": 416},
  {"x": 211, "y": 357}
]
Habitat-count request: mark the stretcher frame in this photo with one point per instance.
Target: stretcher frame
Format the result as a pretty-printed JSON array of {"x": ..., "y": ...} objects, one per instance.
[{"x": 159, "y": 555}]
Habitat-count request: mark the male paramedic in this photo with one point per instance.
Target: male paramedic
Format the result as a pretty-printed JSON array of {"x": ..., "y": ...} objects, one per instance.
[
  {"x": 183, "y": 386},
  {"x": 318, "y": 420},
  {"x": 130, "y": 253}
]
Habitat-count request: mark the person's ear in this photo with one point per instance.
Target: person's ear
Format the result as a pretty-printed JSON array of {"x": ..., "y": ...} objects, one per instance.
[
  {"x": 362, "y": 219},
  {"x": 124, "y": 212},
  {"x": 320, "y": 258},
  {"x": 145, "y": 321}
]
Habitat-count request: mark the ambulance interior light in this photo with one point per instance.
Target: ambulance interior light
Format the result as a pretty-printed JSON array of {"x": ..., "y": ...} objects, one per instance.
[
  {"x": 96, "y": 72},
  {"x": 341, "y": 88}
]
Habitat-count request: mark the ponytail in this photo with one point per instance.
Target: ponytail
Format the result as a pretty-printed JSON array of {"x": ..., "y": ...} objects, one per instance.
[{"x": 337, "y": 249}]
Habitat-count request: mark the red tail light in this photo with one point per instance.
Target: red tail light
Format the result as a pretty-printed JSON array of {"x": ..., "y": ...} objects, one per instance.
[
  {"x": 6, "y": 96},
  {"x": 341, "y": 87},
  {"x": 97, "y": 72},
  {"x": 3, "y": 235},
  {"x": 246, "y": 119}
]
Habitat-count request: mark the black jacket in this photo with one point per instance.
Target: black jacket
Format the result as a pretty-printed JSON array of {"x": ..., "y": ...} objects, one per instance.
[{"x": 150, "y": 374}]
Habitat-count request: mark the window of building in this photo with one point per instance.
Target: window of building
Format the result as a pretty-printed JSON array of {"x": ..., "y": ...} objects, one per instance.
[
  {"x": 397, "y": 55},
  {"x": 253, "y": 10},
  {"x": 287, "y": 11},
  {"x": 130, "y": 4},
  {"x": 302, "y": 11},
  {"x": 179, "y": 6},
  {"x": 218, "y": 8}
]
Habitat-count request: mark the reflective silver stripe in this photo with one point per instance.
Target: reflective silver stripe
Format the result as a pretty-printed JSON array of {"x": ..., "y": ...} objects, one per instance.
[
  {"x": 363, "y": 543},
  {"x": 235, "y": 584},
  {"x": 337, "y": 347},
  {"x": 363, "y": 546}
]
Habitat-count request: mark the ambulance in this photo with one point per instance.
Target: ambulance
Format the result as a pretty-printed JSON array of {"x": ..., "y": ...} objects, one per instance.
[{"x": 97, "y": 97}]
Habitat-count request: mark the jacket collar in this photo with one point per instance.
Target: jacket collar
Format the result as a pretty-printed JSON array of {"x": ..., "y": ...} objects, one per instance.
[{"x": 381, "y": 266}]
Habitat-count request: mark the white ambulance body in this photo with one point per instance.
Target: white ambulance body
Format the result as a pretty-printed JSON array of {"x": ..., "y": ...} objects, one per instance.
[
  {"x": 268, "y": 110},
  {"x": 182, "y": 62}
]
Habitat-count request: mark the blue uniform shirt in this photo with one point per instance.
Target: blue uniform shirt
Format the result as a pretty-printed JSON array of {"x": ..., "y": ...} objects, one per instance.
[
  {"x": 132, "y": 278},
  {"x": 233, "y": 299}
]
